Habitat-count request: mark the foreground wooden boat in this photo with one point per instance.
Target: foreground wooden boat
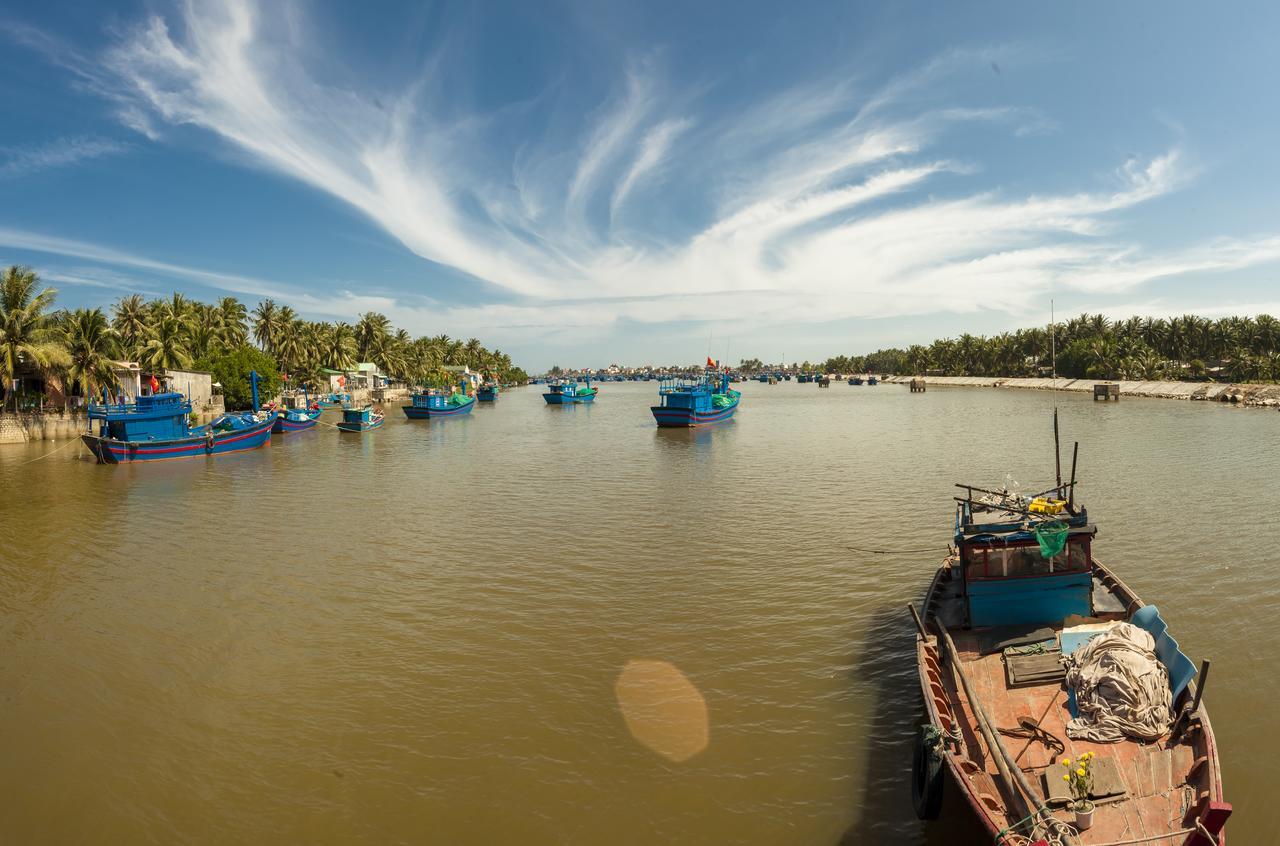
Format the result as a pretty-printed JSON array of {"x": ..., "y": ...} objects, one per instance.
[
  {"x": 695, "y": 402},
  {"x": 157, "y": 427},
  {"x": 1000, "y": 622},
  {"x": 360, "y": 420},
  {"x": 428, "y": 404},
  {"x": 295, "y": 420}
]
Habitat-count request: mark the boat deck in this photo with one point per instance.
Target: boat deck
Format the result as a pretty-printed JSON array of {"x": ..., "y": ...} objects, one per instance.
[{"x": 1160, "y": 784}]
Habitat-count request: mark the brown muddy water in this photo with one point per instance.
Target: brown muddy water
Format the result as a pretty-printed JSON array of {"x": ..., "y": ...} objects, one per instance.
[{"x": 560, "y": 625}]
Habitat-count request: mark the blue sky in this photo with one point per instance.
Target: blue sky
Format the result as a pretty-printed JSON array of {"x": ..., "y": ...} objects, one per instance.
[{"x": 583, "y": 183}]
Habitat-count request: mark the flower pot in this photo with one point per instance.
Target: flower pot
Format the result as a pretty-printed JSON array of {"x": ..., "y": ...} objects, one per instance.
[{"x": 1084, "y": 814}]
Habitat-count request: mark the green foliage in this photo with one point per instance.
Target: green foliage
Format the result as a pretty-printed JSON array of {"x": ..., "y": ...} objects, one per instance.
[{"x": 232, "y": 370}]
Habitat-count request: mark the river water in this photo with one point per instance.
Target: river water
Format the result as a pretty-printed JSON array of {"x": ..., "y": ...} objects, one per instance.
[{"x": 560, "y": 625}]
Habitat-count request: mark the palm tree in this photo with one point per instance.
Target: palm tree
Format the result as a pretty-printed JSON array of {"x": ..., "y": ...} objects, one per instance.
[
  {"x": 231, "y": 323},
  {"x": 341, "y": 349},
  {"x": 288, "y": 350},
  {"x": 166, "y": 346},
  {"x": 266, "y": 325},
  {"x": 91, "y": 345},
  {"x": 130, "y": 318},
  {"x": 27, "y": 335}
]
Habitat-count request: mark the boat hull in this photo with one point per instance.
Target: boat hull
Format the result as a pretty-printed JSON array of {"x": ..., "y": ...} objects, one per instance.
[
  {"x": 676, "y": 418},
  {"x": 111, "y": 451},
  {"x": 561, "y": 399},
  {"x": 414, "y": 412},
  {"x": 284, "y": 425},
  {"x": 359, "y": 428},
  {"x": 1193, "y": 760},
  {"x": 483, "y": 395}
]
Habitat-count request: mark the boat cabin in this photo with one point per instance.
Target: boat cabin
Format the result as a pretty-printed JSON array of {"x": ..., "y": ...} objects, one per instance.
[
  {"x": 156, "y": 417},
  {"x": 1006, "y": 578},
  {"x": 694, "y": 394}
]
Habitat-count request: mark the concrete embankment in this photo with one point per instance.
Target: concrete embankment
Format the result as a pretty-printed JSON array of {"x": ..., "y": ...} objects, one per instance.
[{"x": 1252, "y": 395}]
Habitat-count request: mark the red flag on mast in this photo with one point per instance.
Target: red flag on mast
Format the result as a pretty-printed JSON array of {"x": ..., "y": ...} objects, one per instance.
[{"x": 710, "y": 363}]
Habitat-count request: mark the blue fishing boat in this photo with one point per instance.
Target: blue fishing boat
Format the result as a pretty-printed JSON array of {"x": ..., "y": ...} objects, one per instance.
[
  {"x": 427, "y": 404},
  {"x": 360, "y": 420},
  {"x": 695, "y": 402},
  {"x": 296, "y": 420},
  {"x": 855, "y": 380},
  {"x": 487, "y": 392},
  {"x": 804, "y": 378},
  {"x": 335, "y": 401},
  {"x": 158, "y": 427},
  {"x": 871, "y": 380},
  {"x": 570, "y": 393}
]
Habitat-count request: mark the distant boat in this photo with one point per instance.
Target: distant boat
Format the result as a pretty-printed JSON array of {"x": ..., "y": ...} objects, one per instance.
[
  {"x": 437, "y": 404},
  {"x": 335, "y": 401},
  {"x": 871, "y": 380},
  {"x": 695, "y": 402},
  {"x": 855, "y": 380},
  {"x": 823, "y": 381},
  {"x": 360, "y": 420},
  {"x": 487, "y": 392},
  {"x": 804, "y": 378},
  {"x": 570, "y": 393},
  {"x": 158, "y": 427},
  {"x": 295, "y": 420}
]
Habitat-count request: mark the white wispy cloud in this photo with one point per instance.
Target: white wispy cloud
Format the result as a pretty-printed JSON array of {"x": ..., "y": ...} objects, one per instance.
[
  {"x": 834, "y": 191},
  {"x": 62, "y": 152}
]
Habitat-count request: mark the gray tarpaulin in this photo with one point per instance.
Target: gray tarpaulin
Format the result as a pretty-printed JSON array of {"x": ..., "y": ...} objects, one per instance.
[{"x": 1121, "y": 688}]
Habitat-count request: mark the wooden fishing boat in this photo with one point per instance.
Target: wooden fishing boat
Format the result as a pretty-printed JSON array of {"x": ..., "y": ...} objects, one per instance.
[
  {"x": 1015, "y": 659},
  {"x": 487, "y": 392},
  {"x": 570, "y": 393},
  {"x": 157, "y": 427},
  {"x": 695, "y": 402},
  {"x": 855, "y": 380},
  {"x": 296, "y": 420},
  {"x": 427, "y": 404},
  {"x": 360, "y": 420},
  {"x": 872, "y": 380}
]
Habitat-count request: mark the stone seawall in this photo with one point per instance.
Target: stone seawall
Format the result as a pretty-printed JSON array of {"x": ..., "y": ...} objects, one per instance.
[{"x": 1251, "y": 395}]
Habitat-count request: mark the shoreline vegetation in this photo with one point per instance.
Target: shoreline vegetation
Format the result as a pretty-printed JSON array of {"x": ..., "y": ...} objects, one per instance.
[{"x": 63, "y": 350}]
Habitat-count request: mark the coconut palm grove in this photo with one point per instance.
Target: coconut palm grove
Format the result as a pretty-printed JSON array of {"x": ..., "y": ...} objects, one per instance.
[{"x": 76, "y": 347}]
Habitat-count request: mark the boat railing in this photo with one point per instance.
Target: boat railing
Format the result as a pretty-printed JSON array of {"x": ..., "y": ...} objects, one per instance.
[{"x": 99, "y": 410}]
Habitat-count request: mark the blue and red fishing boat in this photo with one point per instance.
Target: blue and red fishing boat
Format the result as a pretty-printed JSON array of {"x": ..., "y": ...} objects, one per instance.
[
  {"x": 360, "y": 420},
  {"x": 427, "y": 404},
  {"x": 296, "y": 420},
  {"x": 570, "y": 393},
  {"x": 157, "y": 427},
  {"x": 696, "y": 402},
  {"x": 1034, "y": 657}
]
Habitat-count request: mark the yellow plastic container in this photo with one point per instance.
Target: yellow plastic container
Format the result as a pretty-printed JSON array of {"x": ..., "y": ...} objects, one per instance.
[{"x": 1041, "y": 505}]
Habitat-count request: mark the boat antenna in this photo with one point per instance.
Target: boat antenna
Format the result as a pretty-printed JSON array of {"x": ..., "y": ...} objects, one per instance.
[
  {"x": 1057, "y": 452},
  {"x": 1071, "y": 494},
  {"x": 1053, "y": 344}
]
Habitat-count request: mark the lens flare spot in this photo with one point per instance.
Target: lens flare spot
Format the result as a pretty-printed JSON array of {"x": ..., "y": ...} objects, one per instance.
[{"x": 663, "y": 709}]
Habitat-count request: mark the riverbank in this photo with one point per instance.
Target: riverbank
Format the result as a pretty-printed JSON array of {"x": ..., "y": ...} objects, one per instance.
[{"x": 1249, "y": 395}]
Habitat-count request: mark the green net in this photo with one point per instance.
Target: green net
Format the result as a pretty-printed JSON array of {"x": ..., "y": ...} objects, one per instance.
[
  {"x": 458, "y": 399},
  {"x": 1052, "y": 537}
]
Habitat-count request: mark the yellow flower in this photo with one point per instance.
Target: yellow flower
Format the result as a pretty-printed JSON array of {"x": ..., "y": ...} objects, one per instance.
[
  {"x": 1066, "y": 762},
  {"x": 1080, "y": 772},
  {"x": 1066, "y": 778}
]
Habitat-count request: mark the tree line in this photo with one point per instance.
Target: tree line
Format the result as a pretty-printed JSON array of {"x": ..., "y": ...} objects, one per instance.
[
  {"x": 1233, "y": 349},
  {"x": 176, "y": 333}
]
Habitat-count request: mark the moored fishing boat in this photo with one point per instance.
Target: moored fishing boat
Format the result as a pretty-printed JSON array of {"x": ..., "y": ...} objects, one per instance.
[
  {"x": 360, "y": 420},
  {"x": 425, "y": 404},
  {"x": 335, "y": 401},
  {"x": 855, "y": 380},
  {"x": 570, "y": 393},
  {"x": 296, "y": 420},
  {"x": 1058, "y": 701},
  {"x": 695, "y": 402},
  {"x": 157, "y": 427},
  {"x": 872, "y": 380},
  {"x": 488, "y": 392}
]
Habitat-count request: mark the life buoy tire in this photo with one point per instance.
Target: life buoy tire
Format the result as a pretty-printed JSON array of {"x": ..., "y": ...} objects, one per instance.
[{"x": 926, "y": 777}]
